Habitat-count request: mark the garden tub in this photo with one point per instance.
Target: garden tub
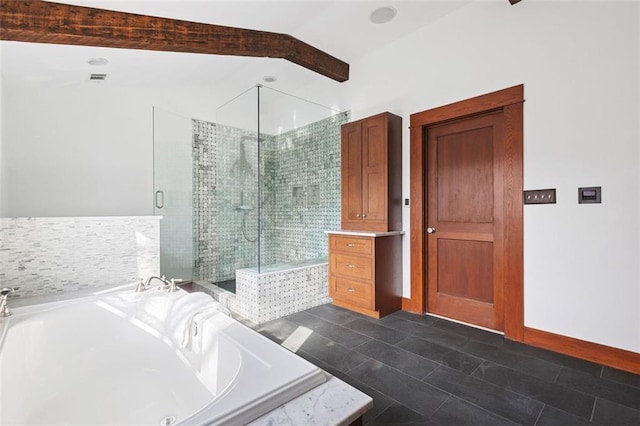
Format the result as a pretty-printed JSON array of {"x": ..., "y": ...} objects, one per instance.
[{"x": 150, "y": 358}]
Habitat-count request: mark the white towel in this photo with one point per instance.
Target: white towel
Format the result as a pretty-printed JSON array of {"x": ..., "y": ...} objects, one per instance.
[
  {"x": 219, "y": 360},
  {"x": 181, "y": 311},
  {"x": 194, "y": 326}
]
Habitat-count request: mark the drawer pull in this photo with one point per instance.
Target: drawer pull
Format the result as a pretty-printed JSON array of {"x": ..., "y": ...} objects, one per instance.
[
  {"x": 351, "y": 290},
  {"x": 350, "y": 265},
  {"x": 351, "y": 244}
]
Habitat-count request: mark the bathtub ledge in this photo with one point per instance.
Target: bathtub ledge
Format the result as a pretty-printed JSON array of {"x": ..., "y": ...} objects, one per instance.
[{"x": 331, "y": 403}]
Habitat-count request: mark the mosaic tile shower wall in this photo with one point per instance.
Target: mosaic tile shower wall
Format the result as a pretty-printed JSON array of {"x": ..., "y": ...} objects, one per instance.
[
  {"x": 52, "y": 255},
  {"x": 300, "y": 179},
  {"x": 225, "y": 200},
  {"x": 305, "y": 188}
]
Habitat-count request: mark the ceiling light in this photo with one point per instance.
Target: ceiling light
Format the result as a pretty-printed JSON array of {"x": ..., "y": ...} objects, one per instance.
[
  {"x": 382, "y": 15},
  {"x": 269, "y": 79},
  {"x": 97, "y": 61}
]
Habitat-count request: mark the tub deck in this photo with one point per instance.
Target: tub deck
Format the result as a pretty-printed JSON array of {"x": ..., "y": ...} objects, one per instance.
[{"x": 107, "y": 360}]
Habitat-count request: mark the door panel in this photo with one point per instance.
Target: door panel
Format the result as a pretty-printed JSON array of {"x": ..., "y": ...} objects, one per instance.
[
  {"x": 464, "y": 253},
  {"x": 461, "y": 278},
  {"x": 465, "y": 176},
  {"x": 374, "y": 167},
  {"x": 173, "y": 192},
  {"x": 351, "y": 153}
]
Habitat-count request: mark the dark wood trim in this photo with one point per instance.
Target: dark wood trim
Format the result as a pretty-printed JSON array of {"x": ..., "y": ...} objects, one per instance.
[
  {"x": 594, "y": 352},
  {"x": 44, "y": 22},
  {"x": 416, "y": 216},
  {"x": 513, "y": 225},
  {"x": 514, "y": 2},
  {"x": 468, "y": 107},
  {"x": 407, "y": 305},
  {"x": 510, "y": 102}
]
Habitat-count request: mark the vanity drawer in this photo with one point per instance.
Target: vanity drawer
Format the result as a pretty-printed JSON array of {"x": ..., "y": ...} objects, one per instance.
[
  {"x": 353, "y": 292},
  {"x": 353, "y": 266},
  {"x": 349, "y": 244}
]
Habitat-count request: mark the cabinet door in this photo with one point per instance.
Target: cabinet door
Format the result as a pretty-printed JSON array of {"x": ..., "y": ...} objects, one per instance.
[
  {"x": 351, "y": 178},
  {"x": 374, "y": 172}
]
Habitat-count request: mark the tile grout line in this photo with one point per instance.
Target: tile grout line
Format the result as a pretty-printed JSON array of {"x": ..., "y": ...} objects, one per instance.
[
  {"x": 440, "y": 406},
  {"x": 368, "y": 358},
  {"x": 540, "y": 414},
  {"x": 593, "y": 410},
  {"x": 555, "y": 380},
  {"x": 476, "y": 369}
]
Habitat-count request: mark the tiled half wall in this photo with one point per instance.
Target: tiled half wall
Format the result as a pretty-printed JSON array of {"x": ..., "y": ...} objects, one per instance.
[
  {"x": 52, "y": 255},
  {"x": 284, "y": 290}
]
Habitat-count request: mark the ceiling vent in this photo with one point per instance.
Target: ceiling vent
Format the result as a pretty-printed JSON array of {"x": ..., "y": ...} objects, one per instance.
[{"x": 97, "y": 77}]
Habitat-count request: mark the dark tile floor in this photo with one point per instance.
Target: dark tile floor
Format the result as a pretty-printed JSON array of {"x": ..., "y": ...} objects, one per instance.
[{"x": 421, "y": 370}]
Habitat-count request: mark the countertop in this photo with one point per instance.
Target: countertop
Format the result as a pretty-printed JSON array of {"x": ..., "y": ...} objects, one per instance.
[{"x": 365, "y": 233}]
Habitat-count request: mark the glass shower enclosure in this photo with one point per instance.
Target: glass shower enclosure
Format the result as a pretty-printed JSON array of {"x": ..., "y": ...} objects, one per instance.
[{"x": 264, "y": 184}]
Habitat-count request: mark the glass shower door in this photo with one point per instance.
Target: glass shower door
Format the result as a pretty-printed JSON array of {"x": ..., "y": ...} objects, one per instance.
[{"x": 173, "y": 192}]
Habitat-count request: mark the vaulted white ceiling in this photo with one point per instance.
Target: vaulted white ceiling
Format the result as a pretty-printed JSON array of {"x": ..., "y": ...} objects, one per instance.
[{"x": 341, "y": 28}]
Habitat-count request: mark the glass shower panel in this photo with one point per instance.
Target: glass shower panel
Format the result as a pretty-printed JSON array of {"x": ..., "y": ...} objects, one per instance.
[
  {"x": 277, "y": 179},
  {"x": 300, "y": 183},
  {"x": 173, "y": 194},
  {"x": 236, "y": 196}
]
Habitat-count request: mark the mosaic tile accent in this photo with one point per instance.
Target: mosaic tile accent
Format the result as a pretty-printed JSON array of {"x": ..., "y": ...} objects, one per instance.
[
  {"x": 52, "y": 255},
  {"x": 262, "y": 297},
  {"x": 299, "y": 176},
  {"x": 225, "y": 200}
]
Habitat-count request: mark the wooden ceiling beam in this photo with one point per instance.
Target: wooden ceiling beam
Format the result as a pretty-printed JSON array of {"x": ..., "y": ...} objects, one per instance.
[{"x": 44, "y": 22}]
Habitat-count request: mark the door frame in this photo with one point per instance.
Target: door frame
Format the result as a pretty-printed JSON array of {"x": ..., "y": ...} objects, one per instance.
[{"x": 510, "y": 102}]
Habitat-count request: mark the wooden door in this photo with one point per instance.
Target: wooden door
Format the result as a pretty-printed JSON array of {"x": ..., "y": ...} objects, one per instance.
[
  {"x": 351, "y": 177},
  {"x": 464, "y": 220},
  {"x": 374, "y": 171}
]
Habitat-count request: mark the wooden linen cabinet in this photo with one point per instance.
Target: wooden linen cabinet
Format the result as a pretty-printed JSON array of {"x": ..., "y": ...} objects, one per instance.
[{"x": 365, "y": 257}]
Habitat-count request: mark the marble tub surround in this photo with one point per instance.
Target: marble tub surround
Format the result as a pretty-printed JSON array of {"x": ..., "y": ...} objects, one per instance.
[
  {"x": 52, "y": 255},
  {"x": 331, "y": 403},
  {"x": 284, "y": 290}
]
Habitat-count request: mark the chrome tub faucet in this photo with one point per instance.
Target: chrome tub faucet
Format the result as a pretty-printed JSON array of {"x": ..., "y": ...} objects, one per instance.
[
  {"x": 4, "y": 305},
  {"x": 169, "y": 285}
]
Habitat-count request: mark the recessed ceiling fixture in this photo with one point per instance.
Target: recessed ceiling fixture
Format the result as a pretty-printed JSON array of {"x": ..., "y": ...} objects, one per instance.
[
  {"x": 97, "y": 77},
  {"x": 97, "y": 61},
  {"x": 382, "y": 15},
  {"x": 269, "y": 79}
]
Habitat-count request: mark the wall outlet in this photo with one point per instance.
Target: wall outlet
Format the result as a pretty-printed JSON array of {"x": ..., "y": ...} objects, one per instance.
[{"x": 540, "y": 196}]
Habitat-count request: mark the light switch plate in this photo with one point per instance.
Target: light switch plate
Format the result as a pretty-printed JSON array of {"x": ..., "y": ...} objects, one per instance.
[
  {"x": 540, "y": 196},
  {"x": 590, "y": 195}
]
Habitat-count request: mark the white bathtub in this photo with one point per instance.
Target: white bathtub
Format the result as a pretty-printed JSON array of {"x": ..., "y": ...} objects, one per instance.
[{"x": 124, "y": 359}]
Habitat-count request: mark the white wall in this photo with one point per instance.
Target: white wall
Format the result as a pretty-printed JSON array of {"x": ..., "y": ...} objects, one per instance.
[
  {"x": 579, "y": 62},
  {"x": 84, "y": 149}
]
